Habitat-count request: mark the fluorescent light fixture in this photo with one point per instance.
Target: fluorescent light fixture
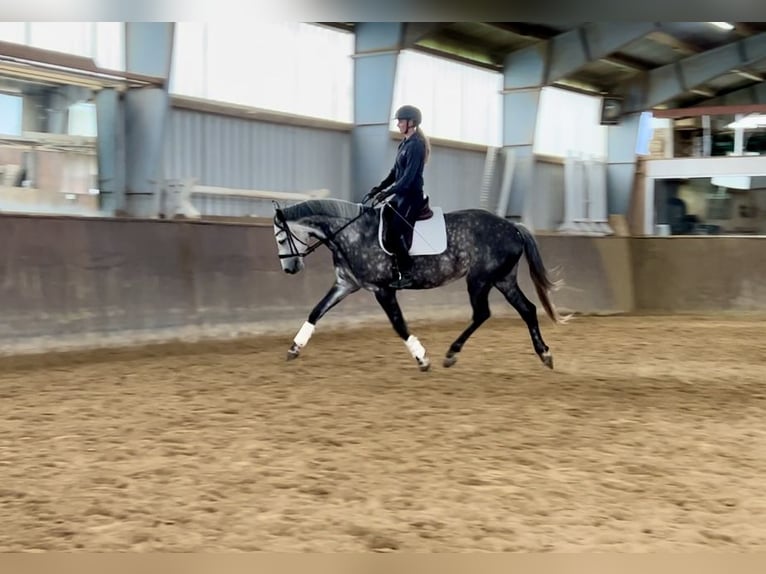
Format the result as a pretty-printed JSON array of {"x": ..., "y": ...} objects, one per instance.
[
  {"x": 749, "y": 122},
  {"x": 722, "y": 25}
]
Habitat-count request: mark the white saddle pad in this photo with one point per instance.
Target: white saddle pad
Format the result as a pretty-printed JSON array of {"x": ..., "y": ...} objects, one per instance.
[{"x": 429, "y": 236}]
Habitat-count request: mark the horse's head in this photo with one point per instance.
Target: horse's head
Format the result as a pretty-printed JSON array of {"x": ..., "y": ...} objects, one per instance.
[{"x": 292, "y": 243}]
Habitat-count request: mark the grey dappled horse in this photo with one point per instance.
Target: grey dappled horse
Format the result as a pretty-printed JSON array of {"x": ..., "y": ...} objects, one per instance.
[{"x": 481, "y": 246}]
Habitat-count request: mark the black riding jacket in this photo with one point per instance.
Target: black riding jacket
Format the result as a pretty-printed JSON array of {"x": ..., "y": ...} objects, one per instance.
[{"x": 407, "y": 173}]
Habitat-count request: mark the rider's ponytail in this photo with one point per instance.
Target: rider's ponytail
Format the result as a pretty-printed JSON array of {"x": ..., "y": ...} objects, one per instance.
[{"x": 427, "y": 143}]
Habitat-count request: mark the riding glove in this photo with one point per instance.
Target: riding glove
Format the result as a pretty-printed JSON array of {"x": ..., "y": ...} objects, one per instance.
[
  {"x": 382, "y": 195},
  {"x": 371, "y": 194}
]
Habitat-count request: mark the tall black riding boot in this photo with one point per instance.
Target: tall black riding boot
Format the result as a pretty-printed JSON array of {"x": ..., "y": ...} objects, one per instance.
[{"x": 402, "y": 268}]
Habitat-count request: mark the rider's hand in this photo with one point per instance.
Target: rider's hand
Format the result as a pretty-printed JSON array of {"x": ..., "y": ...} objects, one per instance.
[{"x": 371, "y": 194}]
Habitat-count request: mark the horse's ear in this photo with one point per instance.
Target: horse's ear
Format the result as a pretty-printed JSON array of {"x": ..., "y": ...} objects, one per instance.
[{"x": 280, "y": 216}]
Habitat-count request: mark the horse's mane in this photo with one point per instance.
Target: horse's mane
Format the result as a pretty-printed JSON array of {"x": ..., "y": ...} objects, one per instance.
[{"x": 328, "y": 207}]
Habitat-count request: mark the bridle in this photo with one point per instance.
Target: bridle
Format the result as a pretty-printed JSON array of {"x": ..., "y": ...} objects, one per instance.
[{"x": 281, "y": 224}]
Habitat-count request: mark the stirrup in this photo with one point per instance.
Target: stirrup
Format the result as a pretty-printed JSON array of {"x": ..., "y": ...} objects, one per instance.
[{"x": 404, "y": 280}]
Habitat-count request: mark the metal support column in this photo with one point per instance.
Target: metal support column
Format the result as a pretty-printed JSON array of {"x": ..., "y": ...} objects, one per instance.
[
  {"x": 377, "y": 46},
  {"x": 148, "y": 50},
  {"x": 58, "y": 113},
  {"x": 621, "y": 162},
  {"x": 523, "y": 78},
  {"x": 58, "y": 101},
  {"x": 110, "y": 149}
]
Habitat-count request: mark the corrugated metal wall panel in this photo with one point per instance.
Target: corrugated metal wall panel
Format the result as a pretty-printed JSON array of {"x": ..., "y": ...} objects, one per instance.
[
  {"x": 233, "y": 152},
  {"x": 250, "y": 154},
  {"x": 453, "y": 178}
]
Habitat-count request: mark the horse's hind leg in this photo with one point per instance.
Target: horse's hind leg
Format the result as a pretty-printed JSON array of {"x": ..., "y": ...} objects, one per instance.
[
  {"x": 387, "y": 300},
  {"x": 513, "y": 294},
  {"x": 478, "y": 291}
]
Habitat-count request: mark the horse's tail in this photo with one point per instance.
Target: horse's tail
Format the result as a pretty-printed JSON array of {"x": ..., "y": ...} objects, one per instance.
[{"x": 543, "y": 283}]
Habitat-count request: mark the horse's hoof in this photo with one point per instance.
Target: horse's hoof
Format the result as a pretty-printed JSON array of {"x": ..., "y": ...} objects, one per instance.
[
  {"x": 424, "y": 365},
  {"x": 450, "y": 360},
  {"x": 293, "y": 353},
  {"x": 547, "y": 359}
]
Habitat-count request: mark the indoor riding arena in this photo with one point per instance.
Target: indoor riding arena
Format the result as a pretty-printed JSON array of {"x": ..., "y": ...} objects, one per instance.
[
  {"x": 647, "y": 435},
  {"x": 153, "y": 176}
]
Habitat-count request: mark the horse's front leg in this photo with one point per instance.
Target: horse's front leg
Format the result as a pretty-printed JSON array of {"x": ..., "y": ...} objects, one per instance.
[
  {"x": 339, "y": 291},
  {"x": 387, "y": 299}
]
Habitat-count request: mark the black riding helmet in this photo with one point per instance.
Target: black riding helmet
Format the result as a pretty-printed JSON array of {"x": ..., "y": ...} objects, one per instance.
[{"x": 409, "y": 113}]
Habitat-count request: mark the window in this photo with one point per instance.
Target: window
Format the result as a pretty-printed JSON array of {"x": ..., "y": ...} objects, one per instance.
[
  {"x": 291, "y": 67},
  {"x": 459, "y": 101},
  {"x": 11, "y": 110},
  {"x": 568, "y": 123},
  {"x": 102, "y": 41},
  {"x": 82, "y": 120}
]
